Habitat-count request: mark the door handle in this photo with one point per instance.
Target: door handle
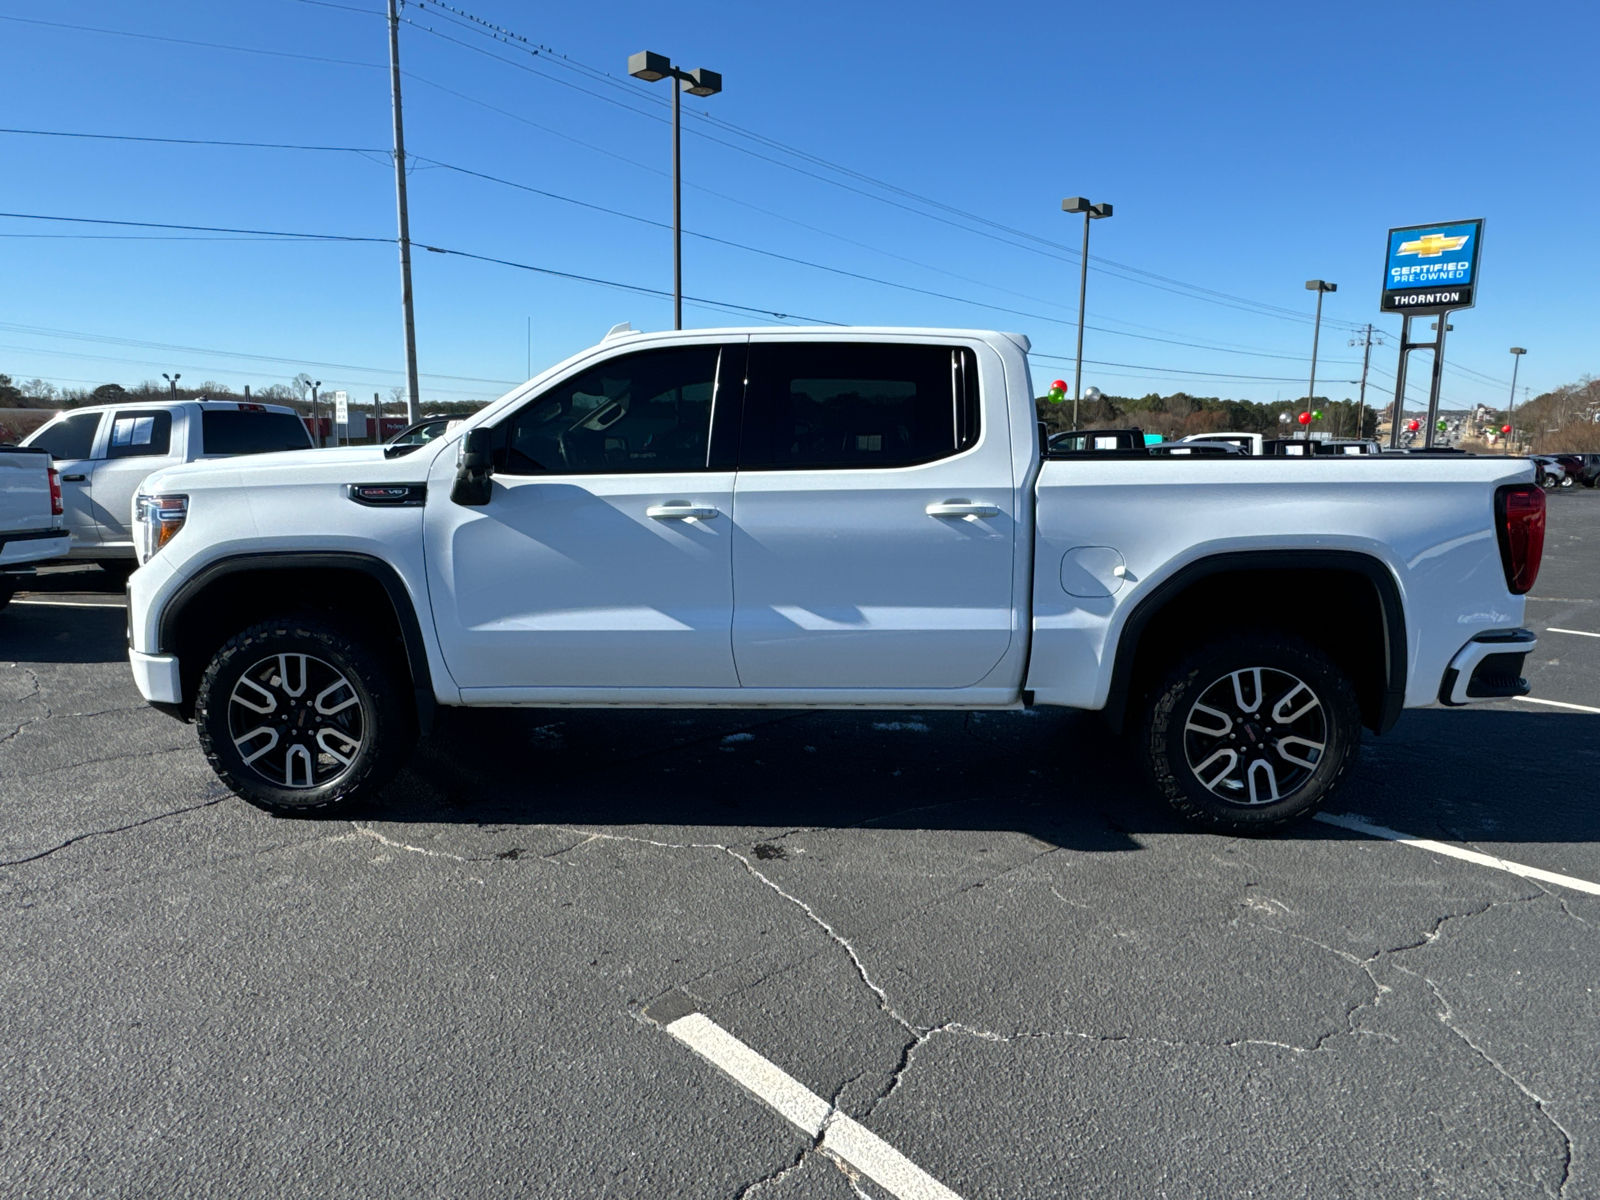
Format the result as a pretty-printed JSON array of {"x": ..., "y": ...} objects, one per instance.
[
  {"x": 961, "y": 508},
  {"x": 681, "y": 512},
  {"x": 74, "y": 479}
]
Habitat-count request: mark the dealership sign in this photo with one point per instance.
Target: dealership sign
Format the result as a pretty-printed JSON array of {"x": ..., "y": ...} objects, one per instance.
[{"x": 1432, "y": 268}]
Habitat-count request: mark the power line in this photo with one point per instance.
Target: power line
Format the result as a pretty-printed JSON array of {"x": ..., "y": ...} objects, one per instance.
[
  {"x": 153, "y": 37},
  {"x": 642, "y": 220},
  {"x": 1062, "y": 252},
  {"x": 725, "y": 305},
  {"x": 174, "y": 141},
  {"x": 137, "y": 343}
]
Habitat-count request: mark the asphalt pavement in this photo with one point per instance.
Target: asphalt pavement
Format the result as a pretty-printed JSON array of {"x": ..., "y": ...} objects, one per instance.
[{"x": 977, "y": 942}]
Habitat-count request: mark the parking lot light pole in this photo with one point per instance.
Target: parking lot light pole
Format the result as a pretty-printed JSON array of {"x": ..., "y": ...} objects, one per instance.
[
  {"x": 1516, "y": 361},
  {"x": 316, "y": 421},
  {"x": 1091, "y": 212},
  {"x": 172, "y": 385},
  {"x": 1319, "y": 287},
  {"x": 650, "y": 67}
]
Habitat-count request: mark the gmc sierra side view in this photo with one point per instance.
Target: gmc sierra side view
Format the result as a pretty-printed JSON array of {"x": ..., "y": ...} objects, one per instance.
[{"x": 831, "y": 518}]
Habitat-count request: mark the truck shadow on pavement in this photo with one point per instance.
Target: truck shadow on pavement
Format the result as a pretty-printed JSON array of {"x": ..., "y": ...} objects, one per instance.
[
  {"x": 1054, "y": 775},
  {"x": 45, "y": 633}
]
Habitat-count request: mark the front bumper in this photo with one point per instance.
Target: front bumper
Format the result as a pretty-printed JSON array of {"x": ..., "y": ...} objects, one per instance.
[
  {"x": 1489, "y": 667},
  {"x": 157, "y": 677}
]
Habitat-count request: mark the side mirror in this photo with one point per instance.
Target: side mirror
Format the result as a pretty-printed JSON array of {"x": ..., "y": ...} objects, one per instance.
[{"x": 475, "y": 465}]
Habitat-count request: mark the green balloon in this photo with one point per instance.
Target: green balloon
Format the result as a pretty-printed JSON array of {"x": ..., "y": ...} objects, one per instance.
[
  {"x": 1317, "y": 416},
  {"x": 1055, "y": 395}
]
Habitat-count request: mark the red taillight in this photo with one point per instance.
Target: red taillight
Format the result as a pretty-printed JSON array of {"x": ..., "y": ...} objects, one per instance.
[
  {"x": 1519, "y": 520},
  {"x": 56, "y": 507}
]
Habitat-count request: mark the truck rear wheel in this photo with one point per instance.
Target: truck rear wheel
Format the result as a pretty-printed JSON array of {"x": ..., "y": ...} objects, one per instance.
[
  {"x": 299, "y": 717},
  {"x": 1251, "y": 733}
]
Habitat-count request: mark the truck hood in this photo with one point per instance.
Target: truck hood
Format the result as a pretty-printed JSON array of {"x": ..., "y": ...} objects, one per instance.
[{"x": 340, "y": 464}]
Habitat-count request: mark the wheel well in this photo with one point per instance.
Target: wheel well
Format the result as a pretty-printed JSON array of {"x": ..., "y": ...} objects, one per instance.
[
  {"x": 232, "y": 596},
  {"x": 1348, "y": 611}
]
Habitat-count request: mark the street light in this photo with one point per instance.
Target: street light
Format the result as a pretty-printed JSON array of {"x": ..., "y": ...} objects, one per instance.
[
  {"x": 1091, "y": 212},
  {"x": 1319, "y": 287},
  {"x": 316, "y": 421},
  {"x": 172, "y": 383},
  {"x": 1516, "y": 361},
  {"x": 650, "y": 67}
]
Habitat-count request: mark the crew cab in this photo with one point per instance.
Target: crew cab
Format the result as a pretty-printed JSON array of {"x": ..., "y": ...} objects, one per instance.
[
  {"x": 828, "y": 518},
  {"x": 32, "y": 525},
  {"x": 104, "y": 453}
]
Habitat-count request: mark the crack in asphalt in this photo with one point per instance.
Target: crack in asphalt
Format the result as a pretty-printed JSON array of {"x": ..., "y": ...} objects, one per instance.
[
  {"x": 920, "y": 1035},
  {"x": 1446, "y": 1018},
  {"x": 94, "y": 833},
  {"x": 36, "y": 695}
]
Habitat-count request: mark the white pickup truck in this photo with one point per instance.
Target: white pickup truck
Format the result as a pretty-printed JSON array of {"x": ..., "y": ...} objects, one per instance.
[
  {"x": 830, "y": 518},
  {"x": 32, "y": 521},
  {"x": 104, "y": 453}
]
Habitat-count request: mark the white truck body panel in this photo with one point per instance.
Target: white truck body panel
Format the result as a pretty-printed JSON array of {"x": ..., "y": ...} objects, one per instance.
[
  {"x": 30, "y": 531},
  {"x": 1429, "y": 521},
  {"x": 832, "y": 587},
  {"x": 130, "y": 442}
]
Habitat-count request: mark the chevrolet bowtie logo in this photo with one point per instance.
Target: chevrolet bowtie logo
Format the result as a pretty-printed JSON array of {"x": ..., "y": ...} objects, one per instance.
[{"x": 1432, "y": 245}]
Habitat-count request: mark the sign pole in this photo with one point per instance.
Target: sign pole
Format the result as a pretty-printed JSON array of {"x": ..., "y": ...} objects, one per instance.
[
  {"x": 1400, "y": 382},
  {"x": 1438, "y": 380}
]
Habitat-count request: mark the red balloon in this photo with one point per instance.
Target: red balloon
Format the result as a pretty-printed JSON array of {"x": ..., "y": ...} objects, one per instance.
[
  {"x": 1505, "y": 429},
  {"x": 1061, "y": 384},
  {"x": 1413, "y": 426},
  {"x": 1305, "y": 418}
]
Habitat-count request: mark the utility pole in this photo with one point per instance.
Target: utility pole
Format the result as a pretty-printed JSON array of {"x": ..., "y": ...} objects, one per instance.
[
  {"x": 316, "y": 418},
  {"x": 1516, "y": 361},
  {"x": 413, "y": 410},
  {"x": 1366, "y": 361}
]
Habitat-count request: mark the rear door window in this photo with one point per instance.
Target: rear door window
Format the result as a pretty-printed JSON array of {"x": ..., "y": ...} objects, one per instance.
[
  {"x": 820, "y": 405},
  {"x": 136, "y": 434},
  {"x": 71, "y": 437},
  {"x": 226, "y": 432}
]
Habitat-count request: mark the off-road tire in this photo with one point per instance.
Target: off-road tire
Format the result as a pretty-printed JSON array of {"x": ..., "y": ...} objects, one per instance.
[
  {"x": 385, "y": 725},
  {"x": 1173, "y": 729}
]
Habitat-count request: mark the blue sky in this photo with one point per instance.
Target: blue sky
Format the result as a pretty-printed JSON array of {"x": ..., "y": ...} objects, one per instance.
[{"x": 1246, "y": 148}]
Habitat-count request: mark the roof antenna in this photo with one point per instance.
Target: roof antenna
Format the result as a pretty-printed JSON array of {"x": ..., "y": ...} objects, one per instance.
[{"x": 617, "y": 331}]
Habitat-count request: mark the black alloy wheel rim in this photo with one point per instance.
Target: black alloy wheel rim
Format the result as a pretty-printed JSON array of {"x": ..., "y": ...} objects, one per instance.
[
  {"x": 1255, "y": 736},
  {"x": 296, "y": 721}
]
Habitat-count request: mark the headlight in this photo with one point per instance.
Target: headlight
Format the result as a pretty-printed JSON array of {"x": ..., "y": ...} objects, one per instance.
[{"x": 159, "y": 519}]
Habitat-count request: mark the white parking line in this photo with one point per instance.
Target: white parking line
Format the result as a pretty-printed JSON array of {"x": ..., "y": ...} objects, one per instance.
[
  {"x": 1348, "y": 821},
  {"x": 1557, "y": 704},
  {"x": 74, "y": 603},
  {"x": 1579, "y": 632},
  {"x": 800, "y": 1106}
]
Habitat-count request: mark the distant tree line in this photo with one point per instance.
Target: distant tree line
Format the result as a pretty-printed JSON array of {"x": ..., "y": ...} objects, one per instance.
[
  {"x": 1181, "y": 414},
  {"x": 1565, "y": 419},
  {"x": 296, "y": 394}
]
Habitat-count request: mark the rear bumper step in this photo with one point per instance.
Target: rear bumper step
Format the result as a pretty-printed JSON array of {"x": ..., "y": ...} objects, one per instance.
[{"x": 1489, "y": 667}]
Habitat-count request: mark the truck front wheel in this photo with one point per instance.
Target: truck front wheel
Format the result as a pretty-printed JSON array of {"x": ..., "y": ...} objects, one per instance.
[
  {"x": 299, "y": 717},
  {"x": 1251, "y": 732}
]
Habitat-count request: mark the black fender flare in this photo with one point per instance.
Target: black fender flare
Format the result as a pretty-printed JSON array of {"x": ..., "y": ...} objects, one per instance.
[
  {"x": 1352, "y": 561},
  {"x": 345, "y": 560}
]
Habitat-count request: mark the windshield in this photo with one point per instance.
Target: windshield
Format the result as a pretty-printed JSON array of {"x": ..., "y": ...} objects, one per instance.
[{"x": 421, "y": 433}]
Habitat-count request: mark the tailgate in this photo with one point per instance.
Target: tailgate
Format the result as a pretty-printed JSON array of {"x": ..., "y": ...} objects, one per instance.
[{"x": 25, "y": 491}]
